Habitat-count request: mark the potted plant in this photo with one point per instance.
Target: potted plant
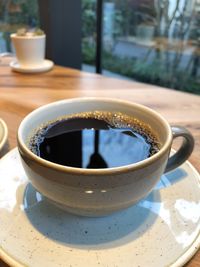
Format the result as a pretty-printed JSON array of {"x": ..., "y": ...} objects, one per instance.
[{"x": 29, "y": 46}]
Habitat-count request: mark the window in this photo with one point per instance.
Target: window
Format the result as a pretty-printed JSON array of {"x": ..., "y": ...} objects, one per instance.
[
  {"x": 14, "y": 15},
  {"x": 151, "y": 41}
]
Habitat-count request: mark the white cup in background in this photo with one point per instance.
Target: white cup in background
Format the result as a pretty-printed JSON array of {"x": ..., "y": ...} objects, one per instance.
[{"x": 29, "y": 49}]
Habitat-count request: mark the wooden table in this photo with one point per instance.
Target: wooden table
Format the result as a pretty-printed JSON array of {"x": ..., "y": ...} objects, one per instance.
[{"x": 21, "y": 93}]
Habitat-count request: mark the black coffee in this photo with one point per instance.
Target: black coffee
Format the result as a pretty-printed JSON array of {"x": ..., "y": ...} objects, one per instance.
[{"x": 94, "y": 140}]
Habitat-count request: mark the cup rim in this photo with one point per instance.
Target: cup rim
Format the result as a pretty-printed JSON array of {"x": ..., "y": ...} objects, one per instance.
[
  {"x": 104, "y": 171},
  {"x": 15, "y": 36}
]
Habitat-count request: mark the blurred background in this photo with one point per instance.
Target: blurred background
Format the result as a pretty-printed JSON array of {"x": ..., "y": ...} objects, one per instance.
[{"x": 152, "y": 41}]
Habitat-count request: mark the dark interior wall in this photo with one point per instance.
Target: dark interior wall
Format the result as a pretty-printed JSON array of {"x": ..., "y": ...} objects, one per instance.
[{"x": 61, "y": 21}]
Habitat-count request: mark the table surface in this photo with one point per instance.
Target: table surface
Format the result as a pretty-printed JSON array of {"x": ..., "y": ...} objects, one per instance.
[{"x": 21, "y": 93}]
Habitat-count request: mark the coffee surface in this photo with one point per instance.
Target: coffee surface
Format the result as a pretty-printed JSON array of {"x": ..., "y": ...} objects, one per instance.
[{"x": 94, "y": 140}]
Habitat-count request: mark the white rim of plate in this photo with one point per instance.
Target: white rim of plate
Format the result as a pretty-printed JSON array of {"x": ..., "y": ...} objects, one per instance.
[
  {"x": 183, "y": 259},
  {"x": 5, "y": 133}
]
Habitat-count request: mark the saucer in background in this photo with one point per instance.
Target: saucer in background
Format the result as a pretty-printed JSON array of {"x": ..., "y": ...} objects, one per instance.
[{"x": 45, "y": 66}]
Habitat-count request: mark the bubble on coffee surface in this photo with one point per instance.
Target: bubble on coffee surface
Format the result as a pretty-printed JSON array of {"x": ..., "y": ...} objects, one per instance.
[{"x": 115, "y": 120}]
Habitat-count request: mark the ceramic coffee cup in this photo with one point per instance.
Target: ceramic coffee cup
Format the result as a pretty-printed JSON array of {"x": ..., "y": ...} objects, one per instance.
[
  {"x": 29, "y": 49},
  {"x": 99, "y": 192}
]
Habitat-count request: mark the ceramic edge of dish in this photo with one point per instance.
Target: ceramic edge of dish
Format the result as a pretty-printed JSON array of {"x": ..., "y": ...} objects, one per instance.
[
  {"x": 5, "y": 134},
  {"x": 184, "y": 258}
]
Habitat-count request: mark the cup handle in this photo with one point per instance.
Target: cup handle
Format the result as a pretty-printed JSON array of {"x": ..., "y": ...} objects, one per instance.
[{"x": 186, "y": 148}]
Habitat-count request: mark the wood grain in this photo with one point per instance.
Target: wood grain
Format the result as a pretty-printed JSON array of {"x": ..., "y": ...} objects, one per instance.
[{"x": 22, "y": 93}]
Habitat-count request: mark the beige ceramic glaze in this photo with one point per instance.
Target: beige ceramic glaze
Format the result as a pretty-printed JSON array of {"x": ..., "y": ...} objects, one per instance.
[
  {"x": 3, "y": 136},
  {"x": 30, "y": 50},
  {"x": 94, "y": 192},
  {"x": 161, "y": 230}
]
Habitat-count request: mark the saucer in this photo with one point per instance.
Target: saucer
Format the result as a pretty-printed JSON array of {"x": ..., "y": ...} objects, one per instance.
[
  {"x": 161, "y": 230},
  {"x": 3, "y": 135},
  {"x": 45, "y": 66}
]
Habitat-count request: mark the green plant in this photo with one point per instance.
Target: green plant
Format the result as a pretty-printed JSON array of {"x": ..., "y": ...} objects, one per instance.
[
  {"x": 88, "y": 18},
  {"x": 123, "y": 66},
  {"x": 89, "y": 31},
  {"x": 15, "y": 14},
  {"x": 164, "y": 63},
  {"x": 32, "y": 32},
  {"x": 150, "y": 72},
  {"x": 88, "y": 51},
  {"x": 155, "y": 73}
]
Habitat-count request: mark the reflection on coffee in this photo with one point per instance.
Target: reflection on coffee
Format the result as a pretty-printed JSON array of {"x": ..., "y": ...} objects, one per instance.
[{"x": 96, "y": 139}]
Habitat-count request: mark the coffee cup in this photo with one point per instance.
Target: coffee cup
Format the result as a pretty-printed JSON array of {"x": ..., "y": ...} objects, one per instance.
[
  {"x": 29, "y": 49},
  {"x": 99, "y": 192}
]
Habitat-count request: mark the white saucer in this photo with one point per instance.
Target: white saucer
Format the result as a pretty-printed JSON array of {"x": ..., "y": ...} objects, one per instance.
[
  {"x": 161, "y": 230},
  {"x": 3, "y": 135},
  {"x": 45, "y": 66}
]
